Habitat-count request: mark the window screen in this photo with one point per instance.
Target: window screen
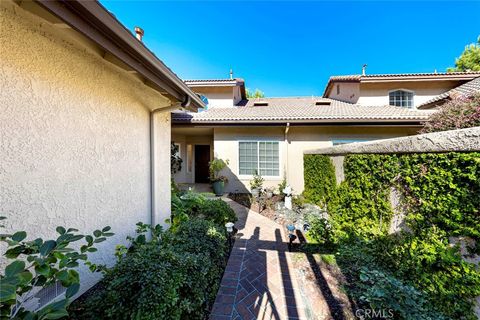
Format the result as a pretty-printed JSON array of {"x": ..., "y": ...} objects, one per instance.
[{"x": 261, "y": 157}]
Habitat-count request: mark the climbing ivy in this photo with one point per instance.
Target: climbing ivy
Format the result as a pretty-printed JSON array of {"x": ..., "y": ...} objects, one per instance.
[{"x": 441, "y": 196}]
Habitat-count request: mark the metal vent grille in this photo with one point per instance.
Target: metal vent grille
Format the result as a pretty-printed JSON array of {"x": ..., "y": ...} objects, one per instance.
[{"x": 46, "y": 295}]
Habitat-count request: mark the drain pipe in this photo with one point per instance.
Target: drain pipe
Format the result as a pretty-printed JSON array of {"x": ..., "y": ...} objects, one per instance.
[
  {"x": 287, "y": 128},
  {"x": 153, "y": 173}
]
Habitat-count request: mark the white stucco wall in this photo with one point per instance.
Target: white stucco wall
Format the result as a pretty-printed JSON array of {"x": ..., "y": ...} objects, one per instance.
[
  {"x": 291, "y": 151},
  {"x": 74, "y": 137}
]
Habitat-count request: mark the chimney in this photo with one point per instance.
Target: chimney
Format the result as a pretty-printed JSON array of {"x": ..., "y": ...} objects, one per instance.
[
  {"x": 231, "y": 74},
  {"x": 364, "y": 69},
  {"x": 139, "y": 33}
]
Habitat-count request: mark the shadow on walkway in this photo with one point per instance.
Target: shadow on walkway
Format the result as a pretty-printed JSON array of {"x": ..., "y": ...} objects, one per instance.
[{"x": 259, "y": 281}]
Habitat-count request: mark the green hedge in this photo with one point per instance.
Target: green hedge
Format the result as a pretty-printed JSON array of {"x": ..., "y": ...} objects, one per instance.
[
  {"x": 177, "y": 278},
  {"x": 319, "y": 178},
  {"x": 442, "y": 195}
]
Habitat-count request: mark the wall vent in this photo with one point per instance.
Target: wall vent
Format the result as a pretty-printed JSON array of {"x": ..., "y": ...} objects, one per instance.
[{"x": 48, "y": 294}]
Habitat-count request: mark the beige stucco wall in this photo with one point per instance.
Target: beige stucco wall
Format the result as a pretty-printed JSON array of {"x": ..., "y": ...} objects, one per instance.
[
  {"x": 373, "y": 94},
  {"x": 74, "y": 137},
  {"x": 218, "y": 97},
  {"x": 299, "y": 139},
  {"x": 349, "y": 92}
]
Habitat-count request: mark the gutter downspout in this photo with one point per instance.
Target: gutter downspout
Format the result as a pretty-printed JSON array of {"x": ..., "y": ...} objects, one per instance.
[
  {"x": 153, "y": 186},
  {"x": 287, "y": 128}
]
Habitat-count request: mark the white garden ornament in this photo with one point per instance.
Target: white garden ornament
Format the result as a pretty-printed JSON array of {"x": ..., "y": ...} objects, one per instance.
[{"x": 288, "y": 197}]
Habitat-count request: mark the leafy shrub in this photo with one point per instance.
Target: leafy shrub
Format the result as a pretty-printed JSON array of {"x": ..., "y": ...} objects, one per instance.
[
  {"x": 461, "y": 112},
  {"x": 440, "y": 193},
  {"x": 194, "y": 204},
  {"x": 385, "y": 293},
  {"x": 41, "y": 263},
  {"x": 176, "y": 278},
  {"x": 320, "y": 231}
]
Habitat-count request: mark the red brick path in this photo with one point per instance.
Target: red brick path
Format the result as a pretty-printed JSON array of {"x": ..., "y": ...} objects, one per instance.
[{"x": 259, "y": 281}]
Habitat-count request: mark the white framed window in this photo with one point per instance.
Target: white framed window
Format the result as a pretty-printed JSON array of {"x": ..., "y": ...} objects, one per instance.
[
  {"x": 401, "y": 98},
  {"x": 262, "y": 157}
]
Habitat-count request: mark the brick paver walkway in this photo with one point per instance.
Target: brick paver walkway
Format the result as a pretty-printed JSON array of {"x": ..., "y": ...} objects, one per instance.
[{"x": 259, "y": 281}]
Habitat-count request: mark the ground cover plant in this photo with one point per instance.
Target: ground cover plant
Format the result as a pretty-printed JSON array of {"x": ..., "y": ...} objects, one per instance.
[{"x": 417, "y": 273}]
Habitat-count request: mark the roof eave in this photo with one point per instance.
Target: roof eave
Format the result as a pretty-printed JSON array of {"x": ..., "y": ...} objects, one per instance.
[{"x": 92, "y": 20}]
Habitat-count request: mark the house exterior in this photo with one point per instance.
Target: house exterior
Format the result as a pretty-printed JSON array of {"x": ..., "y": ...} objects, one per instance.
[
  {"x": 412, "y": 90},
  {"x": 270, "y": 135},
  {"x": 85, "y": 125}
]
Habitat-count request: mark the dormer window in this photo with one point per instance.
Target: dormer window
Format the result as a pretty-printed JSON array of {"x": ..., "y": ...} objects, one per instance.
[{"x": 401, "y": 98}]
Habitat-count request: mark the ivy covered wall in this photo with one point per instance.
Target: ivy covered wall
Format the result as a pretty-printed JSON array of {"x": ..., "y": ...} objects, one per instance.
[{"x": 441, "y": 199}]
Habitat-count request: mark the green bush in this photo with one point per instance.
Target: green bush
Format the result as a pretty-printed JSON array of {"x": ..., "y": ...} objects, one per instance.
[
  {"x": 441, "y": 196},
  {"x": 176, "y": 278},
  {"x": 319, "y": 176},
  {"x": 196, "y": 205}
]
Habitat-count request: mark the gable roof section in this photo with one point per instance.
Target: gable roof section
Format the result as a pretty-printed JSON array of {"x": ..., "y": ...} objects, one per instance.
[
  {"x": 370, "y": 78},
  {"x": 218, "y": 83},
  {"x": 302, "y": 110},
  {"x": 93, "y": 21},
  {"x": 466, "y": 89}
]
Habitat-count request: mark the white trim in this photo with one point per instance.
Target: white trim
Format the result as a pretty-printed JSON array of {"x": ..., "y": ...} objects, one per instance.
[{"x": 248, "y": 177}]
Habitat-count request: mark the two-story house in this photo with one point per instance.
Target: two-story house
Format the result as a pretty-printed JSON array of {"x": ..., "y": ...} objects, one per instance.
[{"x": 270, "y": 135}]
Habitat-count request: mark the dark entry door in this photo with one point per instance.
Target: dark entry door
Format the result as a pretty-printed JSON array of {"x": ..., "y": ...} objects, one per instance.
[{"x": 202, "y": 158}]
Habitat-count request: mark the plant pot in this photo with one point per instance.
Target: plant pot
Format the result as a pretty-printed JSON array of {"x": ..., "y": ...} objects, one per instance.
[
  {"x": 255, "y": 192},
  {"x": 218, "y": 187}
]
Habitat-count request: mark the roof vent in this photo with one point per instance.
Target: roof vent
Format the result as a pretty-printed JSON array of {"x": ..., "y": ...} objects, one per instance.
[
  {"x": 260, "y": 103},
  {"x": 323, "y": 103}
]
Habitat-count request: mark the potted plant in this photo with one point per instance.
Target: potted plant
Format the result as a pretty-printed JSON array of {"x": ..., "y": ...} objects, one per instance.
[
  {"x": 256, "y": 184},
  {"x": 218, "y": 181}
]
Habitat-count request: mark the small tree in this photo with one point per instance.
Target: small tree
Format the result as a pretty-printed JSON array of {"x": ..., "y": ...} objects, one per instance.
[
  {"x": 39, "y": 264},
  {"x": 175, "y": 160},
  {"x": 469, "y": 60},
  {"x": 256, "y": 94},
  {"x": 461, "y": 112}
]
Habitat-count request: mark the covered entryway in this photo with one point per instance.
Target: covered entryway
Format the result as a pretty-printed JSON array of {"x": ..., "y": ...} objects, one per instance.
[
  {"x": 195, "y": 146},
  {"x": 202, "y": 158}
]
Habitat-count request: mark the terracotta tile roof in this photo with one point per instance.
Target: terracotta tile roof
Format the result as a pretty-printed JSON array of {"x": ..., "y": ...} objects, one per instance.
[
  {"x": 302, "y": 109},
  {"x": 210, "y": 82},
  {"x": 466, "y": 89},
  {"x": 460, "y": 76}
]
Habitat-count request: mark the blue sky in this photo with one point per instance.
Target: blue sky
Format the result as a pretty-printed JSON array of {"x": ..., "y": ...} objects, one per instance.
[{"x": 291, "y": 48}]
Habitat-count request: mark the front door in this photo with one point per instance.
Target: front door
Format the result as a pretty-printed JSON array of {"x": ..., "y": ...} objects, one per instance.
[{"x": 202, "y": 158}]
